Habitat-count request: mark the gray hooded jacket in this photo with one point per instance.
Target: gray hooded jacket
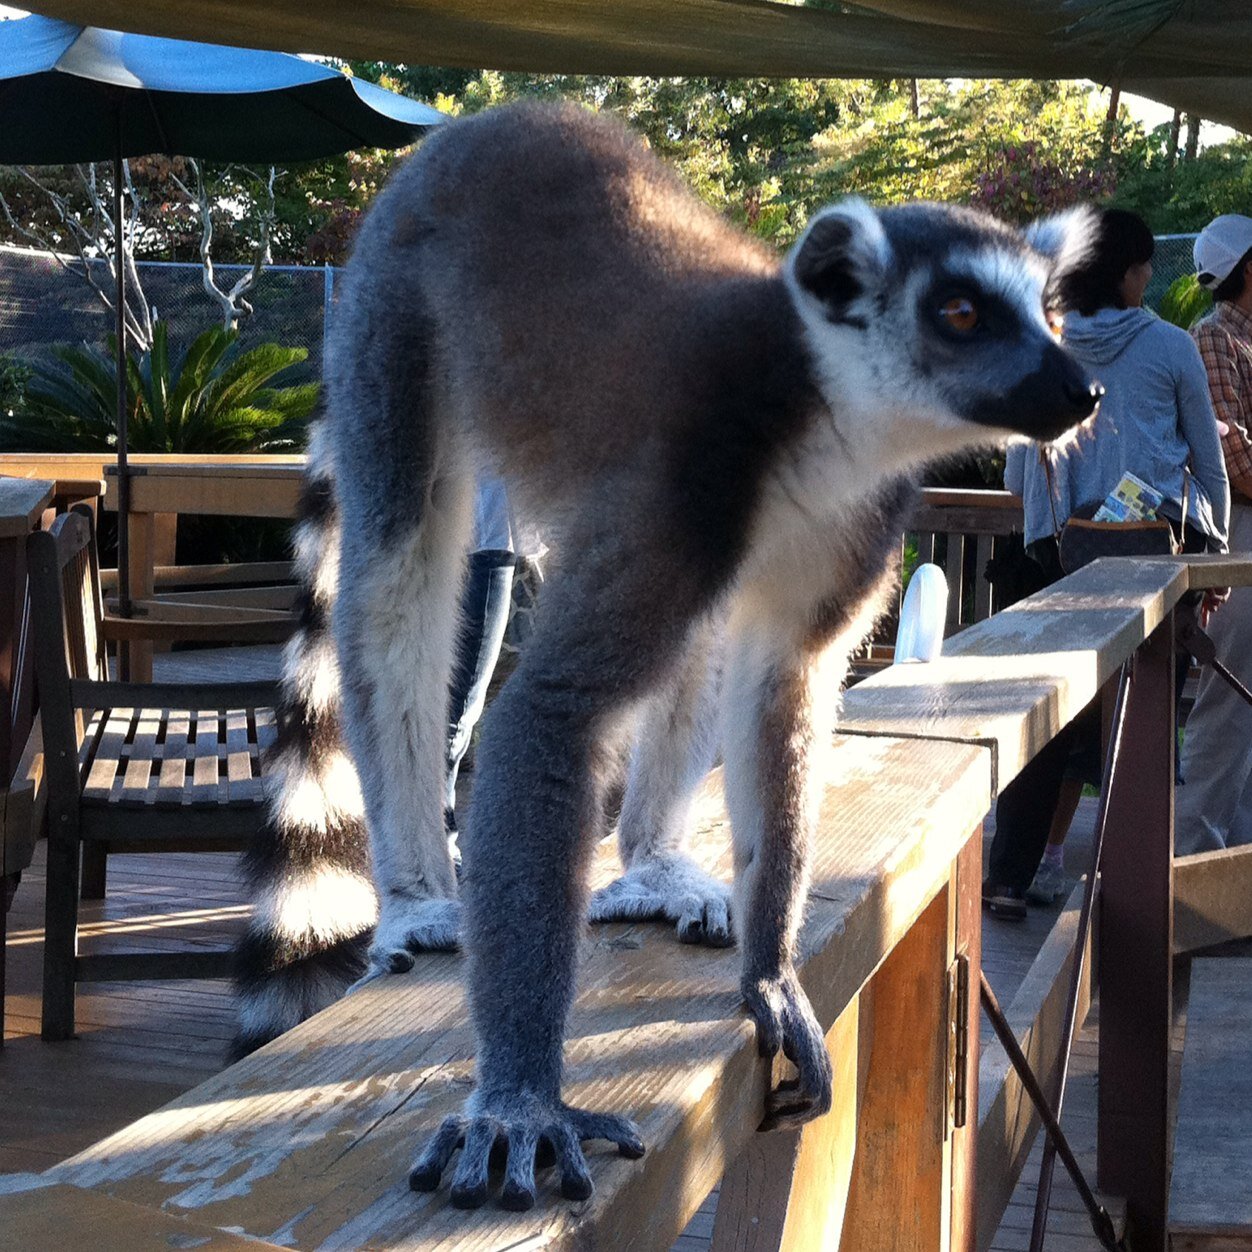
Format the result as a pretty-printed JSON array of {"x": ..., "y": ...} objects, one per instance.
[{"x": 1156, "y": 417}]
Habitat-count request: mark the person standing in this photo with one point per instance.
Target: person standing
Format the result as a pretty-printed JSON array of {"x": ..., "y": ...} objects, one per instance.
[
  {"x": 1213, "y": 807},
  {"x": 1155, "y": 421}
]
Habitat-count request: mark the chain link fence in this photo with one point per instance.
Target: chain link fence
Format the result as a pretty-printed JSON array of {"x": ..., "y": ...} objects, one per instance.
[{"x": 41, "y": 305}]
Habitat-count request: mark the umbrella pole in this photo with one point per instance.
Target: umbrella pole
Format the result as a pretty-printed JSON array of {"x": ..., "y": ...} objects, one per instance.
[{"x": 123, "y": 475}]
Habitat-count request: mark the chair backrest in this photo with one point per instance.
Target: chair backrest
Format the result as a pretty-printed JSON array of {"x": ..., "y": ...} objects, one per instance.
[{"x": 67, "y": 612}]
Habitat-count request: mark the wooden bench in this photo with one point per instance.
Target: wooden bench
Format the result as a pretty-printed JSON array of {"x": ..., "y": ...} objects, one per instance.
[
  {"x": 1210, "y": 1205},
  {"x": 306, "y": 1143}
]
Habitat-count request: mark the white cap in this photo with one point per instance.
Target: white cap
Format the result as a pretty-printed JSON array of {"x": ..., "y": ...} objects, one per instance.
[{"x": 1220, "y": 246}]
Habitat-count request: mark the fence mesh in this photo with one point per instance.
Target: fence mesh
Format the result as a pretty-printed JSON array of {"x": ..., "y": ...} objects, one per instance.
[{"x": 41, "y": 305}]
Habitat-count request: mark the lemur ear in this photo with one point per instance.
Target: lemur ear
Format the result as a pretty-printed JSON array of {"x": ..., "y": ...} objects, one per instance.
[
  {"x": 1067, "y": 239},
  {"x": 843, "y": 253}
]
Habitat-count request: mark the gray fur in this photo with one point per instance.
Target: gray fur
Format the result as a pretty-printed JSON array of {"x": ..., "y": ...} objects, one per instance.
[{"x": 712, "y": 439}]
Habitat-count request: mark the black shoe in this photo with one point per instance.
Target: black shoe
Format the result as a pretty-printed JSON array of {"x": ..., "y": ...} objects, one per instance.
[{"x": 1007, "y": 903}]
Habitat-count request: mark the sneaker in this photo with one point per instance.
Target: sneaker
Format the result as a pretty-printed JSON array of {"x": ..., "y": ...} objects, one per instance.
[
  {"x": 1007, "y": 903},
  {"x": 1047, "y": 885}
]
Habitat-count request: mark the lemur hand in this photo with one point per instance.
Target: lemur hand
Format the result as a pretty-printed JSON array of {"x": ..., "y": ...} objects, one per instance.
[
  {"x": 525, "y": 1127},
  {"x": 673, "y": 887},
  {"x": 407, "y": 926},
  {"x": 784, "y": 1019}
]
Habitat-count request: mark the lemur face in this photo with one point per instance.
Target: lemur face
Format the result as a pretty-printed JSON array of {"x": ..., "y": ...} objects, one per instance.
[{"x": 936, "y": 315}]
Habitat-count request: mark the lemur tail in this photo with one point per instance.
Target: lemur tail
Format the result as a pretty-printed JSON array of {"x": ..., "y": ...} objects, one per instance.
[{"x": 308, "y": 871}]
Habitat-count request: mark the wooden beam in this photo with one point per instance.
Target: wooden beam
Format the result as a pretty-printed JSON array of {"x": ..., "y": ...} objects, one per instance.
[
  {"x": 788, "y": 1192},
  {"x": 1212, "y": 898},
  {"x": 1013, "y": 681},
  {"x": 69, "y": 1217}
]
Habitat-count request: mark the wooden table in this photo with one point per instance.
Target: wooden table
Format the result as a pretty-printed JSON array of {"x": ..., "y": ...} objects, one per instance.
[{"x": 163, "y": 488}]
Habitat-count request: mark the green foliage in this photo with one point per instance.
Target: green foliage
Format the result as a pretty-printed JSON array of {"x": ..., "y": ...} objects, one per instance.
[
  {"x": 211, "y": 400},
  {"x": 1174, "y": 195},
  {"x": 1185, "y": 302},
  {"x": 14, "y": 375}
]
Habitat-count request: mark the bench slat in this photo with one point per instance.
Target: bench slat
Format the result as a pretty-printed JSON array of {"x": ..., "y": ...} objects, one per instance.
[{"x": 108, "y": 756}]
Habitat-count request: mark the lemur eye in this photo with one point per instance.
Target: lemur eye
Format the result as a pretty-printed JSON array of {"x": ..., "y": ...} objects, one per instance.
[{"x": 959, "y": 314}]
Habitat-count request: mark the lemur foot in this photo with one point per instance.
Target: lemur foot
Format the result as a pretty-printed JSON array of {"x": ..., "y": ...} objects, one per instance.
[
  {"x": 518, "y": 1127},
  {"x": 784, "y": 1019},
  {"x": 674, "y": 888},
  {"x": 407, "y": 926}
]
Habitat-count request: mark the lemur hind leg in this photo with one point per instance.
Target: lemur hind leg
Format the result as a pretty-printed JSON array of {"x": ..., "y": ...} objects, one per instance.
[
  {"x": 675, "y": 745},
  {"x": 395, "y": 623},
  {"x": 608, "y": 636}
]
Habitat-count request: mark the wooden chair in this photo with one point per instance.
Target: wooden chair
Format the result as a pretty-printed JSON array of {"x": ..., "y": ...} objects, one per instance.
[{"x": 134, "y": 767}]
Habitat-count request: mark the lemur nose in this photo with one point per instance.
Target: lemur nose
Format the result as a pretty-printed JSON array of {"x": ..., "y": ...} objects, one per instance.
[{"x": 1084, "y": 395}]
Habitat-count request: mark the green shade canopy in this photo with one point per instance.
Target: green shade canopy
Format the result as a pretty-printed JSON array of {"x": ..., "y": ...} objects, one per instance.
[{"x": 1195, "y": 56}]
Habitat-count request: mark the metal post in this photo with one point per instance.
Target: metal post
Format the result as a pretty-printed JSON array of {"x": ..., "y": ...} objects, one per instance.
[
  {"x": 119, "y": 302},
  {"x": 1136, "y": 952}
]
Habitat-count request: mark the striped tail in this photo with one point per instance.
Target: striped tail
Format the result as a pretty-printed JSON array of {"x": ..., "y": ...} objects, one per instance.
[{"x": 308, "y": 871}]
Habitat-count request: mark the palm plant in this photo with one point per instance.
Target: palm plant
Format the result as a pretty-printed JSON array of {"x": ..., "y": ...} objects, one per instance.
[
  {"x": 212, "y": 399},
  {"x": 1185, "y": 302}
]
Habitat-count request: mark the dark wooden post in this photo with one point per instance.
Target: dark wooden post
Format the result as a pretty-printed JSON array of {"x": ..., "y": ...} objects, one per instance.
[{"x": 1136, "y": 951}]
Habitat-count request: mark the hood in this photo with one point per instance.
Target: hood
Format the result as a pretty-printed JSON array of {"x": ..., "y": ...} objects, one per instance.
[{"x": 1104, "y": 335}]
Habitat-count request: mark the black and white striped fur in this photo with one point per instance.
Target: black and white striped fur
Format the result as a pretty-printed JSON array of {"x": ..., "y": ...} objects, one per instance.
[{"x": 712, "y": 438}]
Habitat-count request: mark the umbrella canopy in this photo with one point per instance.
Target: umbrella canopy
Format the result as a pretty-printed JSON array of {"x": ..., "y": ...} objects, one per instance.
[
  {"x": 66, "y": 90},
  {"x": 80, "y": 93}
]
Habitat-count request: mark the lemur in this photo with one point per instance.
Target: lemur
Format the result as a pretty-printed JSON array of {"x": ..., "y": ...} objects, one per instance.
[{"x": 715, "y": 440}]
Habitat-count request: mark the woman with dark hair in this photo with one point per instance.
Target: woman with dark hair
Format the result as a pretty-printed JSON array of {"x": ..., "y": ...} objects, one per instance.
[{"x": 1157, "y": 422}]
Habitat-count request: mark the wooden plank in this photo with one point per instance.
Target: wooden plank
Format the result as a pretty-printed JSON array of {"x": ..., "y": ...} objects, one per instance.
[
  {"x": 1212, "y": 898},
  {"x": 954, "y": 572},
  {"x": 265, "y": 721},
  {"x": 1013, "y": 681},
  {"x": 138, "y": 782},
  {"x": 243, "y": 779},
  {"x": 102, "y": 778},
  {"x": 222, "y": 491},
  {"x": 1007, "y": 1122},
  {"x": 171, "y": 785},
  {"x": 310, "y": 1135},
  {"x": 897, "y": 1198},
  {"x": 1210, "y": 1202},
  {"x": 68, "y": 1217},
  {"x": 204, "y": 788}
]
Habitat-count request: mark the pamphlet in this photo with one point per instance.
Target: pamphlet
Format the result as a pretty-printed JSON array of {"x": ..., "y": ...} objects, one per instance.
[{"x": 1132, "y": 500}]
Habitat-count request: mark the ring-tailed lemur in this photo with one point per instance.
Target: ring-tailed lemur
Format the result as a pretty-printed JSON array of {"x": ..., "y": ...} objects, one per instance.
[{"x": 713, "y": 437}]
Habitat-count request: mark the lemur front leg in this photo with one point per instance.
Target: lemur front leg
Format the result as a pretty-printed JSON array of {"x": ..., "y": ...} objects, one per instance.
[
  {"x": 395, "y": 623},
  {"x": 675, "y": 744},
  {"x": 778, "y": 716},
  {"x": 607, "y": 637}
]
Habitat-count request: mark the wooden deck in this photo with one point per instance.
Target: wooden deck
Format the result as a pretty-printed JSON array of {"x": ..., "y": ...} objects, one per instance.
[{"x": 141, "y": 1044}]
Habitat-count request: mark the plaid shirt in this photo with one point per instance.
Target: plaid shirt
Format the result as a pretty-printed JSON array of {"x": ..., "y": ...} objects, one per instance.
[{"x": 1225, "y": 342}]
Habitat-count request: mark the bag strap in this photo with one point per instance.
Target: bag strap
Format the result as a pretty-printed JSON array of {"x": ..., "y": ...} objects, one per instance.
[{"x": 1046, "y": 462}]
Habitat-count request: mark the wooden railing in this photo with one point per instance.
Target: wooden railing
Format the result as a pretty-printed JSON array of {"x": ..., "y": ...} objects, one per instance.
[{"x": 306, "y": 1142}]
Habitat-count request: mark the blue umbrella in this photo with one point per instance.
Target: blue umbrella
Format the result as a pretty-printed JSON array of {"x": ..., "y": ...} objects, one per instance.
[{"x": 79, "y": 93}]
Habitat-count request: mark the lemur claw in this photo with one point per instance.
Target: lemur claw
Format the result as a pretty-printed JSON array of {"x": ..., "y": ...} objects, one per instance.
[
  {"x": 674, "y": 888},
  {"x": 784, "y": 1020},
  {"x": 407, "y": 927},
  {"x": 525, "y": 1131}
]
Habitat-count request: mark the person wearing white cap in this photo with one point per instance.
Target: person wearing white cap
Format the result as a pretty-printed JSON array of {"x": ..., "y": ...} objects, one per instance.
[{"x": 1214, "y": 806}]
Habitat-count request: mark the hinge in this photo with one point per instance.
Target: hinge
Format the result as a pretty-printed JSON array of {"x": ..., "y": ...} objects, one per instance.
[{"x": 958, "y": 1043}]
